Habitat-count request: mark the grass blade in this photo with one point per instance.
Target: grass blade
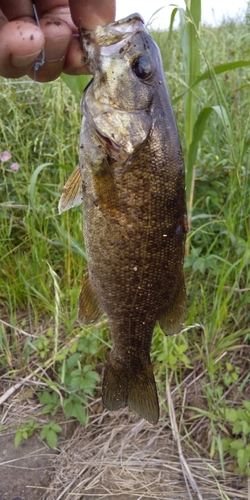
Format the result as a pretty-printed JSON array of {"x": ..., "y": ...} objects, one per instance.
[{"x": 33, "y": 181}]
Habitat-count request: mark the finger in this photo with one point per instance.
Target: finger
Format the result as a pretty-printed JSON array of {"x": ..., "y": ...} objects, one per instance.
[
  {"x": 14, "y": 10},
  {"x": 92, "y": 12},
  {"x": 58, "y": 36},
  {"x": 3, "y": 19},
  {"x": 21, "y": 43},
  {"x": 75, "y": 59},
  {"x": 55, "y": 8}
]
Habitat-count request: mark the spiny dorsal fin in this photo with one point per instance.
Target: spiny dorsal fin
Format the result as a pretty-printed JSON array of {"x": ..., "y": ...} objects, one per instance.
[{"x": 72, "y": 192}]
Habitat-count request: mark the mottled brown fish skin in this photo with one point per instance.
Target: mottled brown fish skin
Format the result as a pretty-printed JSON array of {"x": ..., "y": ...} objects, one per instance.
[{"x": 134, "y": 208}]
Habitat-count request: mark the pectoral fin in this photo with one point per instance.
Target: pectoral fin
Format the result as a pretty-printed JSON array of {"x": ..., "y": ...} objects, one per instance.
[
  {"x": 89, "y": 307},
  {"x": 105, "y": 188},
  {"x": 72, "y": 192}
]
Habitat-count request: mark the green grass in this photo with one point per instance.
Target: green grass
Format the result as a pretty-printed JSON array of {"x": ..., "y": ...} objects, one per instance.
[{"x": 42, "y": 255}]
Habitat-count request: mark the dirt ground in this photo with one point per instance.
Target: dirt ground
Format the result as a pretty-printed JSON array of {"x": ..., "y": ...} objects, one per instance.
[
  {"x": 26, "y": 470},
  {"x": 118, "y": 456}
]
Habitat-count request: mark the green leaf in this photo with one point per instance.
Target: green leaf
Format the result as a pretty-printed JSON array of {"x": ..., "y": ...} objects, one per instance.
[
  {"x": 172, "y": 18},
  {"x": 18, "y": 438},
  {"x": 72, "y": 360},
  {"x": 76, "y": 84},
  {"x": 225, "y": 118},
  {"x": 33, "y": 181},
  {"x": 226, "y": 443},
  {"x": 93, "y": 376},
  {"x": 67, "y": 406},
  {"x": 247, "y": 404},
  {"x": 75, "y": 409},
  {"x": 237, "y": 427},
  {"x": 220, "y": 68},
  {"x": 241, "y": 414},
  {"x": 231, "y": 415},
  {"x": 45, "y": 398},
  {"x": 245, "y": 427},
  {"x": 237, "y": 444},
  {"x": 79, "y": 413},
  {"x": 87, "y": 368},
  {"x": 172, "y": 361},
  {"x": 153, "y": 17},
  {"x": 44, "y": 431},
  {"x": 185, "y": 360},
  {"x": 56, "y": 427},
  {"x": 51, "y": 438},
  {"x": 242, "y": 458}
]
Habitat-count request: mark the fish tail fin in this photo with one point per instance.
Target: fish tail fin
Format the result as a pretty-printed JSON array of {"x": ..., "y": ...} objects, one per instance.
[
  {"x": 142, "y": 395},
  {"x": 136, "y": 389}
]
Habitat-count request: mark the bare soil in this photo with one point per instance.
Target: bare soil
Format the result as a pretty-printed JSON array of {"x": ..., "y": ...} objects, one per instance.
[{"x": 25, "y": 470}]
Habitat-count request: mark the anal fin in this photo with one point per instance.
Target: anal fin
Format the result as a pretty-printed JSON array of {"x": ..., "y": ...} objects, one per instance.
[{"x": 89, "y": 307}]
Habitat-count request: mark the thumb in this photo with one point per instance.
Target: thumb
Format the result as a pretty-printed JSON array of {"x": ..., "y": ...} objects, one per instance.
[{"x": 21, "y": 43}]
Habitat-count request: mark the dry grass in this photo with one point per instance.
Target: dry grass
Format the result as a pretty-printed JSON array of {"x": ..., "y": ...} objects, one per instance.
[{"x": 119, "y": 456}]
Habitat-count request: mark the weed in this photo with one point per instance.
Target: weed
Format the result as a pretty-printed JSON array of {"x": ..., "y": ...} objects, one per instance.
[
  {"x": 50, "y": 433},
  {"x": 74, "y": 378},
  {"x": 239, "y": 447},
  {"x": 25, "y": 430}
]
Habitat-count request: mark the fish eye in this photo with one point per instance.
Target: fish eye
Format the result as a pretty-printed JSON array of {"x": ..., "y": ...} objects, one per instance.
[{"x": 141, "y": 67}]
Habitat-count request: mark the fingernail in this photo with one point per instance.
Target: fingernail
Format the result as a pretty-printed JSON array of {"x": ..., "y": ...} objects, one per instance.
[{"x": 23, "y": 61}]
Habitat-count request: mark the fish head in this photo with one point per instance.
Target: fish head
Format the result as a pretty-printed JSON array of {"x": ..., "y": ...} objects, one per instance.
[{"x": 125, "y": 62}]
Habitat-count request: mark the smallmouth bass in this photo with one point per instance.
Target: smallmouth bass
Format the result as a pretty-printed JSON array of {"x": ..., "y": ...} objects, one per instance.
[{"x": 130, "y": 180}]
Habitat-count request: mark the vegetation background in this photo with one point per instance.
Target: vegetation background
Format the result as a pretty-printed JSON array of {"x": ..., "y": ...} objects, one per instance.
[{"x": 43, "y": 258}]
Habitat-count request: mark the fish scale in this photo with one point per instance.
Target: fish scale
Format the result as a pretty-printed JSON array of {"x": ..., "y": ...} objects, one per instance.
[{"x": 130, "y": 180}]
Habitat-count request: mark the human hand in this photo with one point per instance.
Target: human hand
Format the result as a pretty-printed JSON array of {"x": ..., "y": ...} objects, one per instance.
[{"x": 22, "y": 41}]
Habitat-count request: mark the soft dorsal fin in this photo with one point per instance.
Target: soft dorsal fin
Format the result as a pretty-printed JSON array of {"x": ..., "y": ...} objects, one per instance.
[{"x": 72, "y": 193}]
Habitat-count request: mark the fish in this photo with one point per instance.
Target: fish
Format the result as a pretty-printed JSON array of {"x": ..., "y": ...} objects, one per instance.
[{"x": 131, "y": 182}]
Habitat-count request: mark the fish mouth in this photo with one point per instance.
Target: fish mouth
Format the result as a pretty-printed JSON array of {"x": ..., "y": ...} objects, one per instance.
[
  {"x": 113, "y": 32},
  {"x": 110, "y": 35}
]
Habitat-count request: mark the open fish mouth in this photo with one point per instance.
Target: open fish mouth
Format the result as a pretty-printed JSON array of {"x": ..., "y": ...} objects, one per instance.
[
  {"x": 113, "y": 32},
  {"x": 109, "y": 38}
]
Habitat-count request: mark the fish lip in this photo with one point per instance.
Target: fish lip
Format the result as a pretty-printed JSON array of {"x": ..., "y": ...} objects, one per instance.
[
  {"x": 111, "y": 34},
  {"x": 125, "y": 25}
]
